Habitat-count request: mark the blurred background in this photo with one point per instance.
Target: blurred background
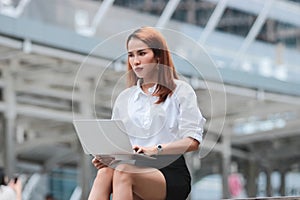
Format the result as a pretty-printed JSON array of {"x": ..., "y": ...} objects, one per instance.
[{"x": 246, "y": 79}]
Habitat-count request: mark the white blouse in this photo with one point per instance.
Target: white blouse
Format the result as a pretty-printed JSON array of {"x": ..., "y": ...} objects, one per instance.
[{"x": 150, "y": 124}]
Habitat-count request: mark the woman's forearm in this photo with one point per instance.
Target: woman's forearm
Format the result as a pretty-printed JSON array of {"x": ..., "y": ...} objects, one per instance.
[{"x": 180, "y": 146}]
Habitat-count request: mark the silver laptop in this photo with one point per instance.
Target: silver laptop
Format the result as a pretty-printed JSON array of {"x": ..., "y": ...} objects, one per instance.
[{"x": 103, "y": 138}]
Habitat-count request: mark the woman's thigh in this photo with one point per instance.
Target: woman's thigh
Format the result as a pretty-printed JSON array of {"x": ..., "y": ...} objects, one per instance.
[{"x": 148, "y": 183}]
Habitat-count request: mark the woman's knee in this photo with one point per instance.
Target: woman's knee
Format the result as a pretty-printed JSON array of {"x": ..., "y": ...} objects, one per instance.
[
  {"x": 123, "y": 172},
  {"x": 105, "y": 172}
]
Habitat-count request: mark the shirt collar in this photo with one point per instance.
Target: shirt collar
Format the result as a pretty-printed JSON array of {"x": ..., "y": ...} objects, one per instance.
[{"x": 139, "y": 90}]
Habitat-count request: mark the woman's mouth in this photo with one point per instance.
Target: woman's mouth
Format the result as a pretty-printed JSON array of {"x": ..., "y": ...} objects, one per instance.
[{"x": 138, "y": 69}]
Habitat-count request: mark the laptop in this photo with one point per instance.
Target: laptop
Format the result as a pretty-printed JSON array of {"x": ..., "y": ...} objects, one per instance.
[{"x": 106, "y": 138}]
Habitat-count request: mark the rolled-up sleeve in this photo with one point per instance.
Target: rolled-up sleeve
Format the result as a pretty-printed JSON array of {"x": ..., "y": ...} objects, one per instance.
[{"x": 191, "y": 122}]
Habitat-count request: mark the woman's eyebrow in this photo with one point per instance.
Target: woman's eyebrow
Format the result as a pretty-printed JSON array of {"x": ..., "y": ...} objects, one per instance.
[{"x": 138, "y": 50}]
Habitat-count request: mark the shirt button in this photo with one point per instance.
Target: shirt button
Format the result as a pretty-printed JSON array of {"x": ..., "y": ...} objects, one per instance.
[{"x": 146, "y": 123}]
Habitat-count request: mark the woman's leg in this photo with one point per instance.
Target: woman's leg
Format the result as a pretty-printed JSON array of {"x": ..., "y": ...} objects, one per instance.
[
  {"x": 135, "y": 197},
  {"x": 146, "y": 183},
  {"x": 102, "y": 186}
]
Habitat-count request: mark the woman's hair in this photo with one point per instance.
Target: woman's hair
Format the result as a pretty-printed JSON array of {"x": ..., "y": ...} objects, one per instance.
[
  {"x": 2, "y": 176},
  {"x": 166, "y": 73}
]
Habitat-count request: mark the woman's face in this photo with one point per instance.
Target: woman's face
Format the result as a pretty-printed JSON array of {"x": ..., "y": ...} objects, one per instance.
[{"x": 142, "y": 60}]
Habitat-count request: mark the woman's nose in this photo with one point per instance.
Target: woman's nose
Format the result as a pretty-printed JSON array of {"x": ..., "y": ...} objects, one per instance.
[{"x": 136, "y": 61}]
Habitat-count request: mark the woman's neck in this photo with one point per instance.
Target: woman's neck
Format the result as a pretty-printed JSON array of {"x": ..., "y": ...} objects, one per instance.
[{"x": 146, "y": 85}]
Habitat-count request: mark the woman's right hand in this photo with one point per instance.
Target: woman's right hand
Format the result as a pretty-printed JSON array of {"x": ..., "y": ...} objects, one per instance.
[{"x": 101, "y": 162}]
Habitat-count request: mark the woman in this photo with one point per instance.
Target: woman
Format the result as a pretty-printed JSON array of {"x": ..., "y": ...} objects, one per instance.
[{"x": 161, "y": 117}]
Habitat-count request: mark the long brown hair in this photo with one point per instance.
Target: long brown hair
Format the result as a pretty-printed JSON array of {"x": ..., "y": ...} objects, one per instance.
[{"x": 167, "y": 73}]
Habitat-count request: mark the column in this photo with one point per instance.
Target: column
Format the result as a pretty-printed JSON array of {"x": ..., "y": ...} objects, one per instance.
[
  {"x": 84, "y": 165},
  {"x": 251, "y": 185},
  {"x": 269, "y": 184},
  {"x": 9, "y": 147},
  {"x": 1, "y": 140},
  {"x": 225, "y": 173},
  {"x": 226, "y": 163},
  {"x": 85, "y": 175},
  {"x": 282, "y": 182},
  {"x": 9, "y": 121}
]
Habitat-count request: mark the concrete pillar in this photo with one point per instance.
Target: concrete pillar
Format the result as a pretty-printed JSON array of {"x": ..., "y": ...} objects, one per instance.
[
  {"x": 84, "y": 165},
  {"x": 9, "y": 121},
  {"x": 85, "y": 175},
  {"x": 1, "y": 140},
  {"x": 282, "y": 183},
  {"x": 269, "y": 191},
  {"x": 226, "y": 163},
  {"x": 251, "y": 185},
  {"x": 9, "y": 147},
  {"x": 225, "y": 173}
]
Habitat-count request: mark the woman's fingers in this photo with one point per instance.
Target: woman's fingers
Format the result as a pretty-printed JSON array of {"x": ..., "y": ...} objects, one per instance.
[
  {"x": 145, "y": 150},
  {"x": 99, "y": 166},
  {"x": 100, "y": 162},
  {"x": 95, "y": 161},
  {"x": 107, "y": 160},
  {"x": 138, "y": 149}
]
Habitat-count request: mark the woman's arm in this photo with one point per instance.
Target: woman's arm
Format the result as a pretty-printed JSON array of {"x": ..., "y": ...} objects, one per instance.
[{"x": 178, "y": 147}]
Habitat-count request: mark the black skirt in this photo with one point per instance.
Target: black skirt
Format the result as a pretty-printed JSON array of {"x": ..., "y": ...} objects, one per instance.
[
  {"x": 176, "y": 173},
  {"x": 178, "y": 179}
]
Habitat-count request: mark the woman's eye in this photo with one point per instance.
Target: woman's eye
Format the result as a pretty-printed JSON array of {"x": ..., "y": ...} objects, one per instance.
[
  {"x": 142, "y": 53},
  {"x": 130, "y": 55}
]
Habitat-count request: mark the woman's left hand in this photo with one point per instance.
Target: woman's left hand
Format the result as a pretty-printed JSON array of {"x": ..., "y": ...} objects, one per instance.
[{"x": 145, "y": 150}]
